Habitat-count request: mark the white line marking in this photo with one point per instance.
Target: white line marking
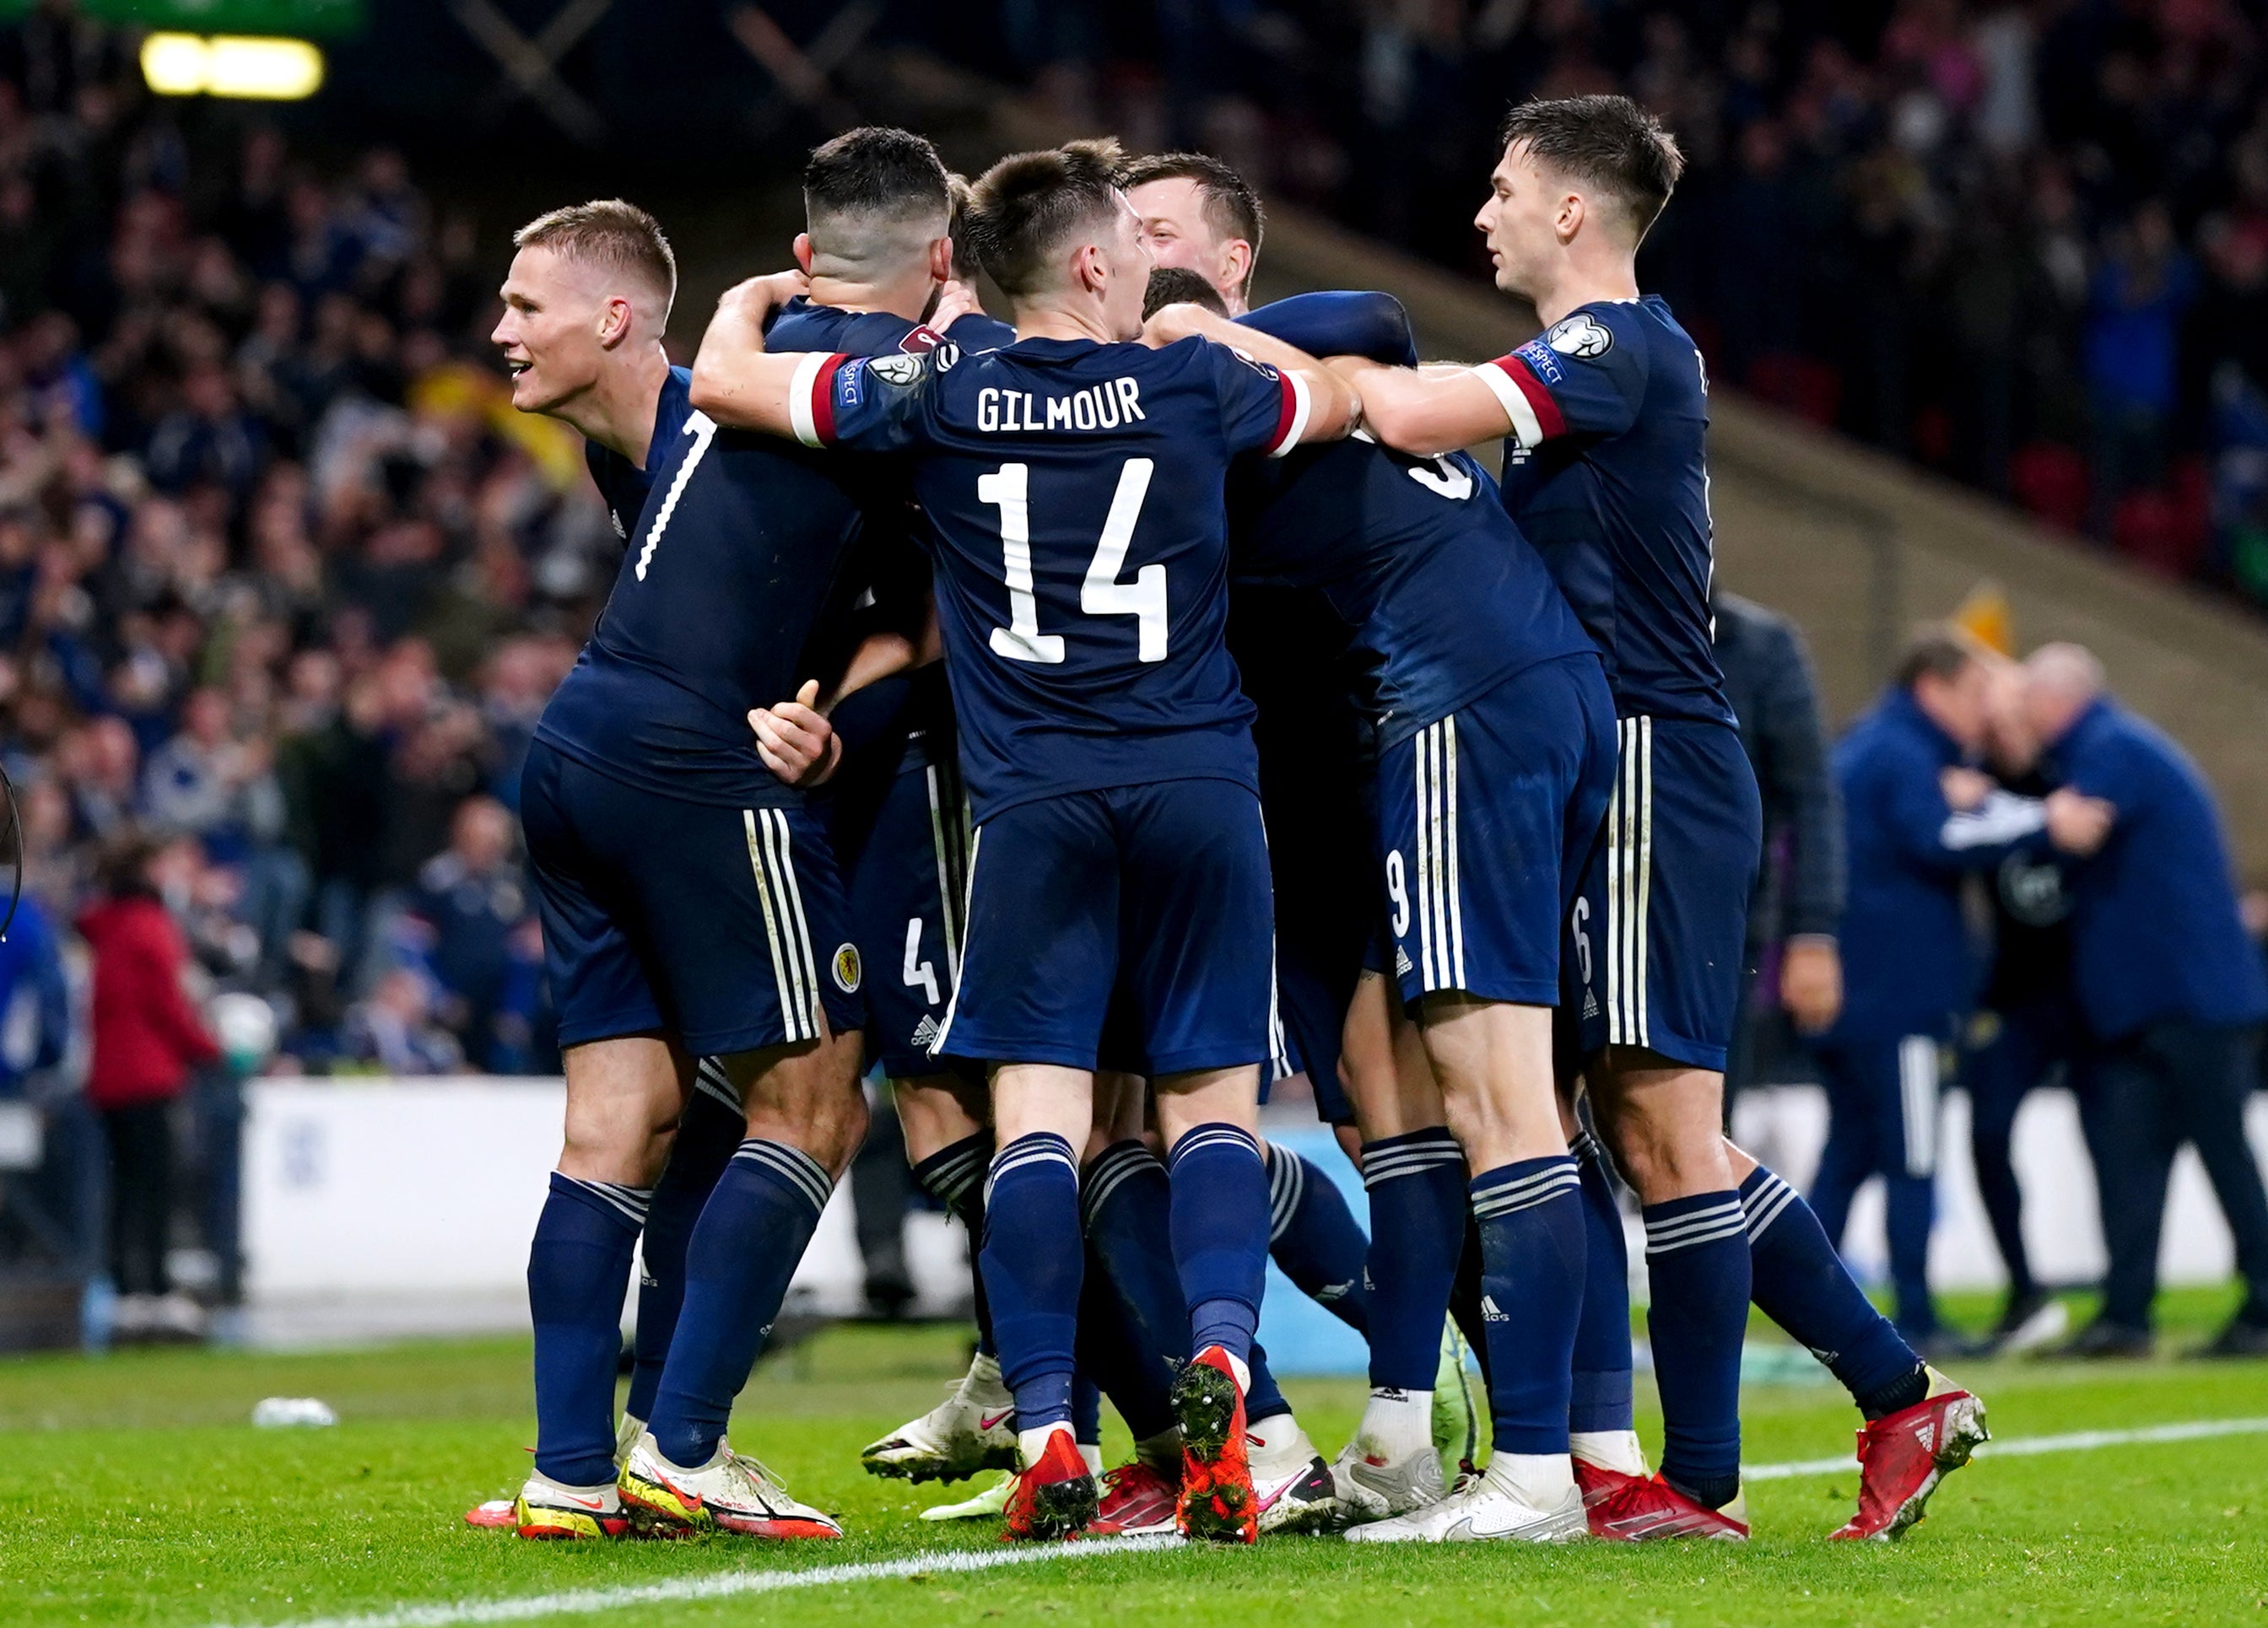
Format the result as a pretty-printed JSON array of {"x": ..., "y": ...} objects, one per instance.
[
  {"x": 727, "y": 1585},
  {"x": 2025, "y": 1447}
]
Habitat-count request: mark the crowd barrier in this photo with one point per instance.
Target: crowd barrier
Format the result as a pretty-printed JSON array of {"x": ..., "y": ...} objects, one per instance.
[{"x": 405, "y": 1206}]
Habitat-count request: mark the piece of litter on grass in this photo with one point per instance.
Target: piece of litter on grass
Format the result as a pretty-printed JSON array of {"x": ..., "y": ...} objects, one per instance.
[{"x": 293, "y": 1413}]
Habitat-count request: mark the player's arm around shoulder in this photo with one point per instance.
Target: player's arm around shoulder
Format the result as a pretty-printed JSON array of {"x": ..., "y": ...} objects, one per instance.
[
  {"x": 734, "y": 381},
  {"x": 1333, "y": 408},
  {"x": 1424, "y": 411}
]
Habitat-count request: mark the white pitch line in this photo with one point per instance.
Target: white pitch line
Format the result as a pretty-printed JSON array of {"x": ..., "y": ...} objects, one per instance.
[
  {"x": 727, "y": 1585},
  {"x": 2077, "y": 1441}
]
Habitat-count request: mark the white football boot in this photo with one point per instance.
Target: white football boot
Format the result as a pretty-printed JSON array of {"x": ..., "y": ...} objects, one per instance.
[
  {"x": 973, "y": 1429},
  {"x": 1486, "y": 1508},
  {"x": 731, "y": 1493}
]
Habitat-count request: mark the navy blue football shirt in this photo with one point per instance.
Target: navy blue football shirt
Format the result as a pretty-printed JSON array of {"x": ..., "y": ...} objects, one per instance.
[
  {"x": 623, "y": 485},
  {"x": 1074, "y": 493},
  {"x": 744, "y": 553},
  {"x": 1606, "y": 471},
  {"x": 1446, "y": 598}
]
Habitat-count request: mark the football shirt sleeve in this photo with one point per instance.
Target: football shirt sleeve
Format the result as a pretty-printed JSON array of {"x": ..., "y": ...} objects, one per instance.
[
  {"x": 1576, "y": 378},
  {"x": 1261, "y": 407},
  {"x": 862, "y": 404},
  {"x": 1337, "y": 323}
]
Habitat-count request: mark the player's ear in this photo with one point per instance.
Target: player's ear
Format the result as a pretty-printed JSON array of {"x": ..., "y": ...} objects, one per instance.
[
  {"x": 941, "y": 260},
  {"x": 803, "y": 252},
  {"x": 613, "y": 322},
  {"x": 1236, "y": 261},
  {"x": 1573, "y": 211}
]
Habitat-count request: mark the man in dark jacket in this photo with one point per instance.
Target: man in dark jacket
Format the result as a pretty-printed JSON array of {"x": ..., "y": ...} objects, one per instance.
[
  {"x": 2170, "y": 986},
  {"x": 1918, "y": 819},
  {"x": 1798, "y": 900},
  {"x": 2026, "y": 1031}
]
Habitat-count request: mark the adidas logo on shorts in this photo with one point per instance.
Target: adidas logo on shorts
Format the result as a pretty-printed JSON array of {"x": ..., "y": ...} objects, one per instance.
[{"x": 925, "y": 1033}]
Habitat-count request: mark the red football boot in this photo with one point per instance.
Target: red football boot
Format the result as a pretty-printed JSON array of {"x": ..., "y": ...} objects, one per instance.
[
  {"x": 495, "y": 1514},
  {"x": 1139, "y": 1501},
  {"x": 1599, "y": 1484},
  {"x": 1217, "y": 1502},
  {"x": 1053, "y": 1498},
  {"x": 1643, "y": 1511},
  {"x": 1903, "y": 1455}
]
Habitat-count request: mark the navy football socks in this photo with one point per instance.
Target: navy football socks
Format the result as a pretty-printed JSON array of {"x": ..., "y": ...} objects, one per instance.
[
  {"x": 578, "y": 1269},
  {"x": 1602, "y": 1396},
  {"x": 1220, "y": 1235},
  {"x": 751, "y": 1236},
  {"x": 1126, "y": 1201},
  {"x": 955, "y": 1177},
  {"x": 1530, "y": 1214},
  {"x": 707, "y": 1135},
  {"x": 1465, "y": 1294},
  {"x": 1696, "y": 1256},
  {"x": 1802, "y": 1285},
  {"x": 1418, "y": 1209},
  {"x": 1137, "y": 1380},
  {"x": 1314, "y": 1238},
  {"x": 1034, "y": 1262}
]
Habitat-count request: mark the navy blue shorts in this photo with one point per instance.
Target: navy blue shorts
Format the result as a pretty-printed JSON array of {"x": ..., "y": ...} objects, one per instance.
[
  {"x": 906, "y": 850},
  {"x": 1486, "y": 818},
  {"x": 1882, "y": 1101},
  {"x": 1159, "y": 891},
  {"x": 723, "y": 928},
  {"x": 1661, "y": 925}
]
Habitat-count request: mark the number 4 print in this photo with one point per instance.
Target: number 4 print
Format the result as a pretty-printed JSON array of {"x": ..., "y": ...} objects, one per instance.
[{"x": 1101, "y": 594}]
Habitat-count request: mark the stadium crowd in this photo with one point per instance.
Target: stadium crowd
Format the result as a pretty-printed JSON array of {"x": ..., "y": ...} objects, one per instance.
[
  {"x": 2024, "y": 242},
  {"x": 284, "y": 584}
]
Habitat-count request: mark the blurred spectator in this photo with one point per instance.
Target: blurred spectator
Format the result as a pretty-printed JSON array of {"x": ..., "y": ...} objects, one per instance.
[
  {"x": 460, "y": 924},
  {"x": 35, "y": 1011},
  {"x": 147, "y": 1037},
  {"x": 395, "y": 1030}
]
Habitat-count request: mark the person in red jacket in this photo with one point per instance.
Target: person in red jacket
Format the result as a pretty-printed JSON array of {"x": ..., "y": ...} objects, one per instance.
[{"x": 147, "y": 1039}]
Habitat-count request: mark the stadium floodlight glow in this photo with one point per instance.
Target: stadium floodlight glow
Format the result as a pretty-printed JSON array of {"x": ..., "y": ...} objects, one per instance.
[{"x": 257, "y": 68}]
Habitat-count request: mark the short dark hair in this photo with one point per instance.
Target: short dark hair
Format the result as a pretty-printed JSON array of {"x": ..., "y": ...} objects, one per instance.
[
  {"x": 1231, "y": 207},
  {"x": 1022, "y": 209},
  {"x": 1607, "y": 142},
  {"x": 608, "y": 233},
  {"x": 1178, "y": 285},
  {"x": 876, "y": 169},
  {"x": 1938, "y": 650}
]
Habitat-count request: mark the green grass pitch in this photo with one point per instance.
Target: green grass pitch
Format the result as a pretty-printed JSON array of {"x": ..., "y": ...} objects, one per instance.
[{"x": 137, "y": 1493}]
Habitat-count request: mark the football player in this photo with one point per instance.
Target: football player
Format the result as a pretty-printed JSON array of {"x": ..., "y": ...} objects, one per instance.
[
  {"x": 1604, "y": 417},
  {"x": 688, "y": 901},
  {"x": 1074, "y": 481}
]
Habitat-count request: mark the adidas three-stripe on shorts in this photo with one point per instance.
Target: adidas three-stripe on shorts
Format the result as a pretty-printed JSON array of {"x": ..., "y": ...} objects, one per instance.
[
  {"x": 1486, "y": 818},
  {"x": 725, "y": 926},
  {"x": 1661, "y": 924},
  {"x": 903, "y": 846}
]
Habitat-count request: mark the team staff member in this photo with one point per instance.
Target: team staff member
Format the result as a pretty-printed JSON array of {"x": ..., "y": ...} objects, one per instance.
[
  {"x": 1798, "y": 901},
  {"x": 2027, "y": 1027},
  {"x": 1918, "y": 820},
  {"x": 2169, "y": 985}
]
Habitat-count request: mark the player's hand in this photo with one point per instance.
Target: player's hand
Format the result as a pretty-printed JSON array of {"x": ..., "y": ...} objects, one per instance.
[
  {"x": 767, "y": 293},
  {"x": 1965, "y": 789},
  {"x": 2078, "y": 823},
  {"x": 795, "y": 740},
  {"x": 1811, "y": 983},
  {"x": 1170, "y": 323},
  {"x": 955, "y": 300}
]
